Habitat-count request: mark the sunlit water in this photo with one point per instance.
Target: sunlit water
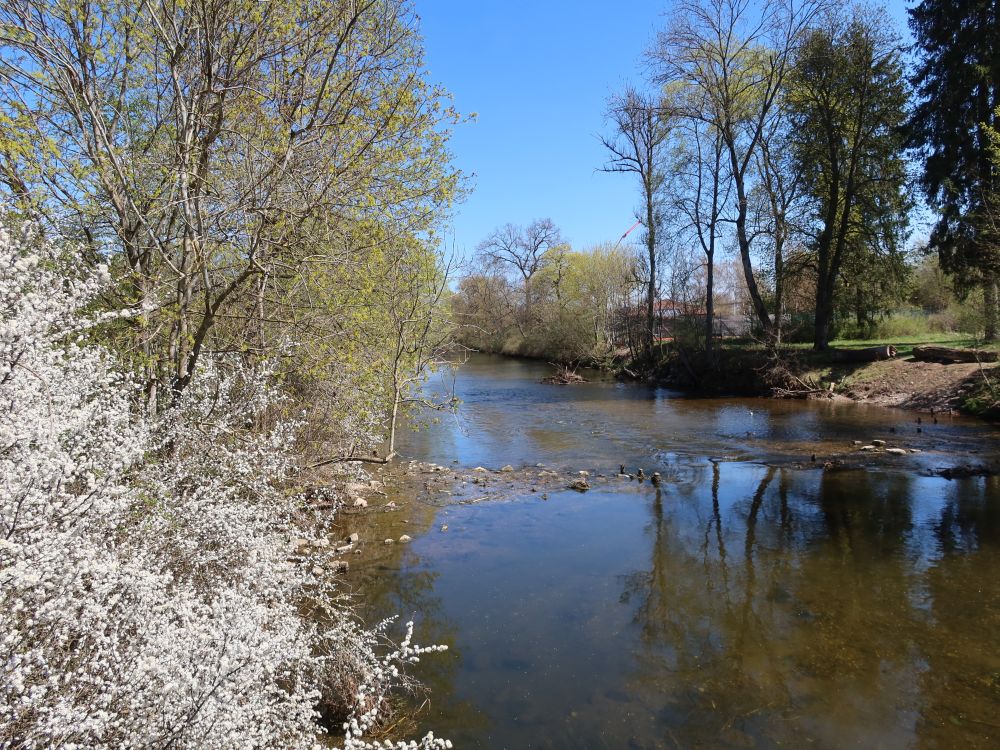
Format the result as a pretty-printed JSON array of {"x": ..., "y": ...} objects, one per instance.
[{"x": 755, "y": 600}]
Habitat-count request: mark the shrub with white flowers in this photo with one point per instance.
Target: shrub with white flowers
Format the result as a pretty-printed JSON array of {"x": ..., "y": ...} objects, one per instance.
[{"x": 146, "y": 597}]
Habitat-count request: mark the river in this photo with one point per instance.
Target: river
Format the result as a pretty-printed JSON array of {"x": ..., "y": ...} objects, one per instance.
[{"x": 755, "y": 598}]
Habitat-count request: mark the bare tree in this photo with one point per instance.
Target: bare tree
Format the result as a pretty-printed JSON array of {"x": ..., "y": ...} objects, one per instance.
[
  {"x": 641, "y": 128},
  {"x": 702, "y": 194},
  {"x": 777, "y": 207},
  {"x": 523, "y": 250},
  {"x": 735, "y": 54}
]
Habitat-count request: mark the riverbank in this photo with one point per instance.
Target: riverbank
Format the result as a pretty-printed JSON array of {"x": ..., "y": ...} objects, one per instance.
[{"x": 901, "y": 382}]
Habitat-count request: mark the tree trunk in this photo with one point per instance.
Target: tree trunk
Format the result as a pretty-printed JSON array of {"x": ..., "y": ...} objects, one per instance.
[
  {"x": 651, "y": 249},
  {"x": 990, "y": 312},
  {"x": 709, "y": 305},
  {"x": 823, "y": 318},
  {"x": 950, "y": 355},
  {"x": 779, "y": 289},
  {"x": 871, "y": 354}
]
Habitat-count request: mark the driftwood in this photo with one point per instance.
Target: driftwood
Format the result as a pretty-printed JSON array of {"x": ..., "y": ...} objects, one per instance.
[
  {"x": 871, "y": 354},
  {"x": 949, "y": 355},
  {"x": 563, "y": 376}
]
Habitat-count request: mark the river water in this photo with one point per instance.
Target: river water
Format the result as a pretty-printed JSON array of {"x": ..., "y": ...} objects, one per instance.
[{"x": 756, "y": 598}]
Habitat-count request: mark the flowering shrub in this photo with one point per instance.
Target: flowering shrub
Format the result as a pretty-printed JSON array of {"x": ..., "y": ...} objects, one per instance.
[{"x": 146, "y": 597}]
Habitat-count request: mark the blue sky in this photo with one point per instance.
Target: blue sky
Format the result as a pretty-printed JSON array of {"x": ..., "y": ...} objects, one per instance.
[{"x": 538, "y": 75}]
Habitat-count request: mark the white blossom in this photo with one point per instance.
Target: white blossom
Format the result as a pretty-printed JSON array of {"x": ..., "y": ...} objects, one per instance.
[{"x": 146, "y": 598}]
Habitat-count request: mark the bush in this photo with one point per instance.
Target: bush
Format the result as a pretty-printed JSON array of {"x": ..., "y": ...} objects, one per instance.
[{"x": 146, "y": 596}]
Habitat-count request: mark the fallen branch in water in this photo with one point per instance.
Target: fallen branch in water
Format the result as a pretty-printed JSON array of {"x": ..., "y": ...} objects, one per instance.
[
  {"x": 349, "y": 459},
  {"x": 563, "y": 376}
]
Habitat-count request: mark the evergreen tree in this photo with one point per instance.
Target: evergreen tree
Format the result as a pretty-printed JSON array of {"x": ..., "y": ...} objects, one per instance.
[{"x": 958, "y": 84}]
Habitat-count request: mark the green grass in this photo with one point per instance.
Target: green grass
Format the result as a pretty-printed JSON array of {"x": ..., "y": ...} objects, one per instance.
[{"x": 904, "y": 344}]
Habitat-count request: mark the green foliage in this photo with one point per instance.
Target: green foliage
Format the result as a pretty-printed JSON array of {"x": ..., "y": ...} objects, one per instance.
[
  {"x": 253, "y": 173},
  {"x": 577, "y": 301},
  {"x": 847, "y": 99}
]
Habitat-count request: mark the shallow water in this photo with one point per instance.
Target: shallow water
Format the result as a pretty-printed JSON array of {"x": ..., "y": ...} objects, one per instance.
[{"x": 755, "y": 599}]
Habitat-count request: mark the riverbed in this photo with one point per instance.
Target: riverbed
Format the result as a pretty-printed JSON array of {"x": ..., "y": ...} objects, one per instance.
[{"x": 778, "y": 586}]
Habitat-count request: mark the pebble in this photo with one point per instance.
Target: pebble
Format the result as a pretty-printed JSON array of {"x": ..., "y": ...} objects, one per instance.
[
  {"x": 389, "y": 541},
  {"x": 507, "y": 469},
  {"x": 878, "y": 443},
  {"x": 896, "y": 451},
  {"x": 360, "y": 502},
  {"x": 867, "y": 447},
  {"x": 404, "y": 539},
  {"x": 317, "y": 571},
  {"x": 444, "y": 527},
  {"x": 353, "y": 538},
  {"x": 480, "y": 468}
]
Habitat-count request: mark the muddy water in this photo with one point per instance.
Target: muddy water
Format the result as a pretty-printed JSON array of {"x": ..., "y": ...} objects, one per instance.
[{"x": 756, "y": 598}]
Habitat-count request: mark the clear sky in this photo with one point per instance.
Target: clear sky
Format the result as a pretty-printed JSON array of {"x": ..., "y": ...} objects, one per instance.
[{"x": 538, "y": 75}]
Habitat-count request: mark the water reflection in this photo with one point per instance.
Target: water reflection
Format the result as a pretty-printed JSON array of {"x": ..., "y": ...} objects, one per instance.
[
  {"x": 739, "y": 604},
  {"x": 508, "y": 417}
]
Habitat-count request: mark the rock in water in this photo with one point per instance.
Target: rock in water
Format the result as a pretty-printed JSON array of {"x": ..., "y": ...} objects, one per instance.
[{"x": 580, "y": 485}]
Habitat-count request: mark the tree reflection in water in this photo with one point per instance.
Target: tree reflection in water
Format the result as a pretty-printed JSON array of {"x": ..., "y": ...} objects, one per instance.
[{"x": 845, "y": 621}]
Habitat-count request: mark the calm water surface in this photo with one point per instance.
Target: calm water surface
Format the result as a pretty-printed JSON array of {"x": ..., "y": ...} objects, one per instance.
[{"x": 756, "y": 599}]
